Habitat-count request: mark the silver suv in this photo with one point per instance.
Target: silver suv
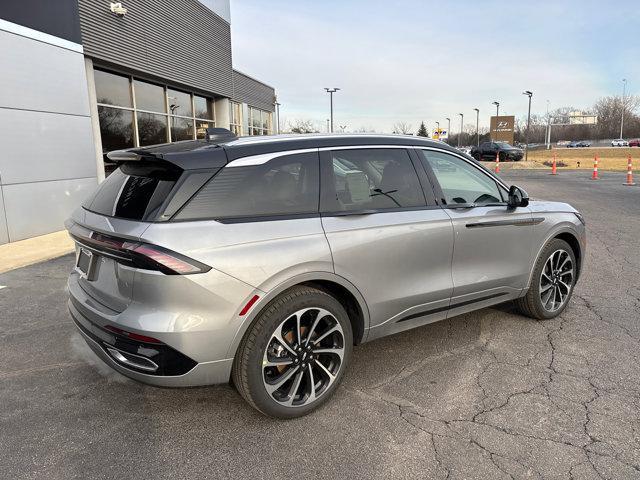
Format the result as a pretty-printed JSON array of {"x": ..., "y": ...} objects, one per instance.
[{"x": 263, "y": 260}]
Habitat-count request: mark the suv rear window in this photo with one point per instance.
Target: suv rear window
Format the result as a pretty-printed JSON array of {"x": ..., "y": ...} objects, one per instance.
[
  {"x": 286, "y": 185},
  {"x": 134, "y": 192}
]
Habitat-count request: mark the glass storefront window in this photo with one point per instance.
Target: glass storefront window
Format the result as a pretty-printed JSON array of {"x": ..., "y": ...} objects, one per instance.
[
  {"x": 112, "y": 89},
  {"x": 149, "y": 96},
  {"x": 201, "y": 128},
  {"x": 204, "y": 107},
  {"x": 116, "y": 128},
  {"x": 152, "y": 128},
  {"x": 179, "y": 103},
  {"x": 181, "y": 129}
]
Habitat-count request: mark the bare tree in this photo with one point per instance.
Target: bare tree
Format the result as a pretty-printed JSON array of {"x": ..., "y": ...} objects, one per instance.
[{"x": 402, "y": 128}]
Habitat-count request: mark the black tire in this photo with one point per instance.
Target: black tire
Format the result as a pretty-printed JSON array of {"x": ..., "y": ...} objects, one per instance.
[
  {"x": 531, "y": 304},
  {"x": 502, "y": 156},
  {"x": 247, "y": 373}
]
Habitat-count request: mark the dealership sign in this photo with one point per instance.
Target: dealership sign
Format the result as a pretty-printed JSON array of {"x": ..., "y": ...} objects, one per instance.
[
  {"x": 440, "y": 134},
  {"x": 502, "y": 128}
]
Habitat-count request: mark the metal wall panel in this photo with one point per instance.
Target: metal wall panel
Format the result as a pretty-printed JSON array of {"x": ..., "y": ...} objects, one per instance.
[
  {"x": 39, "y": 76},
  {"x": 180, "y": 41},
  {"x": 4, "y": 234},
  {"x": 252, "y": 92},
  {"x": 40, "y": 146},
  {"x": 37, "y": 208},
  {"x": 58, "y": 18}
]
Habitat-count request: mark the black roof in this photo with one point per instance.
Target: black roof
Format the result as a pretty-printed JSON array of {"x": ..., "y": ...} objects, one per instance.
[{"x": 193, "y": 154}]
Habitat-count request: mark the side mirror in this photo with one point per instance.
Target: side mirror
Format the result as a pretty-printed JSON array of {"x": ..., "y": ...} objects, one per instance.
[{"x": 517, "y": 197}]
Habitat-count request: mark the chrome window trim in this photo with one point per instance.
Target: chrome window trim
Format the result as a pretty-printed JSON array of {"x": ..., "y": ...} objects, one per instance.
[{"x": 265, "y": 157}]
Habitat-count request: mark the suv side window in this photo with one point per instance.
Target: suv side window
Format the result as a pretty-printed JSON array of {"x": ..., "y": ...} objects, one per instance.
[
  {"x": 460, "y": 182},
  {"x": 370, "y": 179},
  {"x": 285, "y": 185}
]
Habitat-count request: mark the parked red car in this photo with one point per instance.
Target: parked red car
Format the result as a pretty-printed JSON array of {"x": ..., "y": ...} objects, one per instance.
[{"x": 634, "y": 143}]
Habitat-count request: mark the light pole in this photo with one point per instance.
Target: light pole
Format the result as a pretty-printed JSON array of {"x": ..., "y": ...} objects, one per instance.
[
  {"x": 448, "y": 126},
  {"x": 547, "y": 135},
  {"x": 278, "y": 117},
  {"x": 477, "y": 126},
  {"x": 331, "y": 91},
  {"x": 526, "y": 135},
  {"x": 461, "y": 123},
  {"x": 438, "y": 129},
  {"x": 497, "y": 104},
  {"x": 328, "y": 131},
  {"x": 624, "y": 92},
  {"x": 342, "y": 127}
]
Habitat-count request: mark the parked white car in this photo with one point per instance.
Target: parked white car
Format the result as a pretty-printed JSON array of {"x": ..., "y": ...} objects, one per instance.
[{"x": 619, "y": 142}]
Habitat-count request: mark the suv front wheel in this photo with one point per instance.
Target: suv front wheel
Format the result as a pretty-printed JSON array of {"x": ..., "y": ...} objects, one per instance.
[
  {"x": 294, "y": 355},
  {"x": 552, "y": 282}
]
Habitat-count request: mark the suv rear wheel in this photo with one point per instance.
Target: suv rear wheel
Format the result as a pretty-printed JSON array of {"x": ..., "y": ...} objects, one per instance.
[
  {"x": 552, "y": 282},
  {"x": 294, "y": 355}
]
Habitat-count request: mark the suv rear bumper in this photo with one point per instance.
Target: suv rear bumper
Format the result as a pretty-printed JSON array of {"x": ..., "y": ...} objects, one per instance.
[
  {"x": 204, "y": 373},
  {"x": 175, "y": 367}
]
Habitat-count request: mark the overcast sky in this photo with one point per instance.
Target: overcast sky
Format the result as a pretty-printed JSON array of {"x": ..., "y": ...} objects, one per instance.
[{"x": 421, "y": 60}]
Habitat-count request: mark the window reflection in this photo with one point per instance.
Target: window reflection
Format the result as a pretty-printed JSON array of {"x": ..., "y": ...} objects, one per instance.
[
  {"x": 112, "y": 89},
  {"x": 152, "y": 128},
  {"x": 179, "y": 103},
  {"x": 181, "y": 129},
  {"x": 149, "y": 97},
  {"x": 203, "y": 107},
  {"x": 116, "y": 128}
]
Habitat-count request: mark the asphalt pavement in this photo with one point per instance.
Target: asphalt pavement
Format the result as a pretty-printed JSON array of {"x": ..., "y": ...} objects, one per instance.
[{"x": 487, "y": 395}]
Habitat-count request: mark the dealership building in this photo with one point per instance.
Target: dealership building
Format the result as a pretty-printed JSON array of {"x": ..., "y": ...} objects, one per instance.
[{"x": 84, "y": 77}]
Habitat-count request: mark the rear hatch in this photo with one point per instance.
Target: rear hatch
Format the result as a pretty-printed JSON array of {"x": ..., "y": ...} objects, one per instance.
[{"x": 109, "y": 225}]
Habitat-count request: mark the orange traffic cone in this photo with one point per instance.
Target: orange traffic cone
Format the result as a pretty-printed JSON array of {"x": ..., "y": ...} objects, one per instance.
[
  {"x": 497, "y": 169},
  {"x": 554, "y": 167},
  {"x": 594, "y": 176},
  {"x": 629, "y": 172}
]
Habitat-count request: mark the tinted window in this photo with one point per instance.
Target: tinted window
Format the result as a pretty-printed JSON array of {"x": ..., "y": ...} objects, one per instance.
[
  {"x": 112, "y": 89},
  {"x": 179, "y": 103},
  {"x": 461, "y": 182},
  {"x": 133, "y": 192},
  {"x": 203, "y": 106},
  {"x": 371, "y": 179},
  {"x": 286, "y": 185},
  {"x": 149, "y": 97},
  {"x": 116, "y": 128},
  {"x": 152, "y": 128}
]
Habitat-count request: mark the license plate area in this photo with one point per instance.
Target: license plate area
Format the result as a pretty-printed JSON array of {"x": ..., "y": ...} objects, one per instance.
[{"x": 86, "y": 264}]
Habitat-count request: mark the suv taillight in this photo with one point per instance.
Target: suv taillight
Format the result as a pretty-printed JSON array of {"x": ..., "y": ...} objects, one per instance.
[{"x": 142, "y": 255}]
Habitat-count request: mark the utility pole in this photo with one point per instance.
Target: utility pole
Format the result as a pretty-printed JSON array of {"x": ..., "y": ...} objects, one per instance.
[
  {"x": 461, "y": 124},
  {"x": 331, "y": 91},
  {"x": 526, "y": 135},
  {"x": 477, "y": 126},
  {"x": 624, "y": 92}
]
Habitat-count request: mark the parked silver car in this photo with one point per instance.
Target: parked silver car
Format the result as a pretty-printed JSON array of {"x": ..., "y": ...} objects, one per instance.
[{"x": 263, "y": 260}]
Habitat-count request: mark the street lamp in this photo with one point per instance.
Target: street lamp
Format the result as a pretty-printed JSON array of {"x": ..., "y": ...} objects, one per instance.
[
  {"x": 331, "y": 91},
  {"x": 497, "y": 104},
  {"x": 477, "y": 126},
  {"x": 438, "y": 129},
  {"x": 278, "y": 117},
  {"x": 624, "y": 92},
  {"x": 526, "y": 135},
  {"x": 448, "y": 126},
  {"x": 461, "y": 122}
]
